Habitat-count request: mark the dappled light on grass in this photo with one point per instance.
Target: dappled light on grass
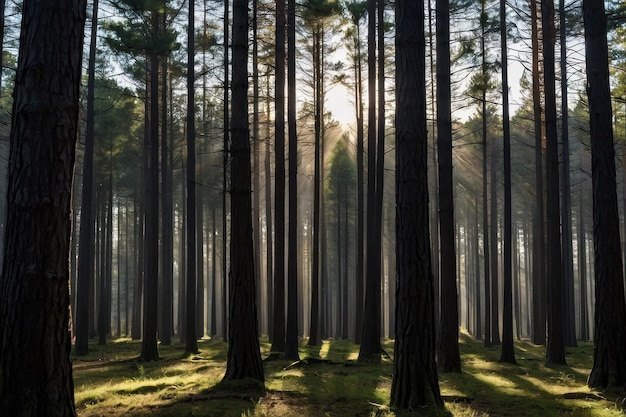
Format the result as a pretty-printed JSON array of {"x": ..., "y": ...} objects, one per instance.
[{"x": 329, "y": 381}]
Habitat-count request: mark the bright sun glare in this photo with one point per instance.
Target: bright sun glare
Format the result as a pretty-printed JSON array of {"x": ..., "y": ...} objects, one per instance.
[{"x": 339, "y": 104}]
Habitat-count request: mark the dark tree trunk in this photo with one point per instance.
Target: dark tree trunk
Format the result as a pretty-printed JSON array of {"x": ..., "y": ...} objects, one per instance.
[
  {"x": 485, "y": 199},
  {"x": 149, "y": 350},
  {"x": 85, "y": 248},
  {"x": 225, "y": 297},
  {"x": 244, "y": 355},
  {"x": 191, "y": 339},
  {"x": 291, "y": 336},
  {"x": 278, "y": 338},
  {"x": 370, "y": 344},
  {"x": 508, "y": 352},
  {"x": 35, "y": 345},
  {"x": 569, "y": 310},
  {"x": 449, "y": 357},
  {"x": 539, "y": 239},
  {"x": 357, "y": 15},
  {"x": 555, "y": 351},
  {"x": 269, "y": 264},
  {"x": 609, "y": 355},
  {"x": 256, "y": 176},
  {"x": 415, "y": 381}
]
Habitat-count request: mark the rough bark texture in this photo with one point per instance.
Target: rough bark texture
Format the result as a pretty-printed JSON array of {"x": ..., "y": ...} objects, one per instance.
[
  {"x": 449, "y": 357},
  {"x": 609, "y": 356},
  {"x": 415, "y": 381},
  {"x": 36, "y": 372},
  {"x": 244, "y": 355}
]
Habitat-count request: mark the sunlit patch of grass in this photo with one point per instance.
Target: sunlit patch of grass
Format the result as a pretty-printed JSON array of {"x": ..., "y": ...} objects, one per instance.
[{"x": 329, "y": 381}]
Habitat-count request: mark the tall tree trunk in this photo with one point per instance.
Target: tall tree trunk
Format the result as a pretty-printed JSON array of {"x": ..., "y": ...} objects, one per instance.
[
  {"x": 508, "y": 353},
  {"x": 36, "y": 377},
  {"x": 149, "y": 349},
  {"x": 449, "y": 356},
  {"x": 256, "y": 176},
  {"x": 244, "y": 355},
  {"x": 555, "y": 351},
  {"x": 191, "y": 339},
  {"x": 278, "y": 339},
  {"x": 415, "y": 382},
  {"x": 291, "y": 336},
  {"x": 225, "y": 298},
  {"x": 539, "y": 239},
  {"x": 487, "y": 264},
  {"x": 609, "y": 355},
  {"x": 569, "y": 310},
  {"x": 360, "y": 239},
  {"x": 269, "y": 227},
  {"x": 370, "y": 344},
  {"x": 85, "y": 248}
]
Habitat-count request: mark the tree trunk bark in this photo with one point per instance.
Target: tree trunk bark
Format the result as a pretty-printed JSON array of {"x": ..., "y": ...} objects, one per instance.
[
  {"x": 291, "y": 330},
  {"x": 85, "y": 248},
  {"x": 449, "y": 358},
  {"x": 555, "y": 350},
  {"x": 35, "y": 345},
  {"x": 508, "y": 352},
  {"x": 609, "y": 355},
  {"x": 244, "y": 355},
  {"x": 415, "y": 382},
  {"x": 278, "y": 338},
  {"x": 539, "y": 240}
]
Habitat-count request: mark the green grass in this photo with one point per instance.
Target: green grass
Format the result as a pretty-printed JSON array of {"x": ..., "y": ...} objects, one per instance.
[{"x": 111, "y": 381}]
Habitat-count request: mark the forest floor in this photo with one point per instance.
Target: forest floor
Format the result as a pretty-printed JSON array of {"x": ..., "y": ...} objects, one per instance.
[{"x": 111, "y": 381}]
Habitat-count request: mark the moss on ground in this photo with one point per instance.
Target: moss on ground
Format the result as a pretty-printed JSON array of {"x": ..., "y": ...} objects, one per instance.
[{"x": 328, "y": 381}]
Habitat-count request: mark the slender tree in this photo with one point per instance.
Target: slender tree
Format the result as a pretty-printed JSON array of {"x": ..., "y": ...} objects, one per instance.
[
  {"x": 85, "y": 248},
  {"x": 449, "y": 356},
  {"x": 555, "y": 352},
  {"x": 609, "y": 355},
  {"x": 415, "y": 382},
  {"x": 35, "y": 345},
  {"x": 539, "y": 241},
  {"x": 225, "y": 160},
  {"x": 244, "y": 355},
  {"x": 508, "y": 353},
  {"x": 370, "y": 344},
  {"x": 569, "y": 311},
  {"x": 278, "y": 338},
  {"x": 191, "y": 339},
  {"x": 291, "y": 336},
  {"x": 149, "y": 349}
]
